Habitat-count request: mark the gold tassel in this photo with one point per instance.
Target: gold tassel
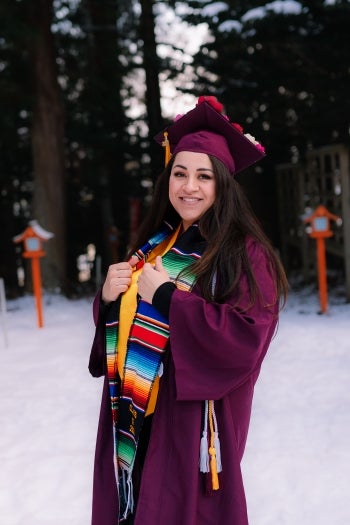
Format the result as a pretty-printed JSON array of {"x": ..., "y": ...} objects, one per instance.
[
  {"x": 212, "y": 451},
  {"x": 166, "y": 145}
]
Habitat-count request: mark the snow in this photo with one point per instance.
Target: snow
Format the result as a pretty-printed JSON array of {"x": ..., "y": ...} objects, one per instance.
[
  {"x": 214, "y": 8},
  {"x": 296, "y": 467},
  {"x": 48, "y": 414},
  {"x": 297, "y": 462},
  {"x": 285, "y": 7}
]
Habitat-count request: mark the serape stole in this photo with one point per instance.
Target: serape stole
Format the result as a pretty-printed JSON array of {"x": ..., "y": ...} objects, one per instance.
[{"x": 131, "y": 387}]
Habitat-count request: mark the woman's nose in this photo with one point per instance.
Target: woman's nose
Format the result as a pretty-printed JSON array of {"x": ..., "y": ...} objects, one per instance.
[{"x": 191, "y": 184}]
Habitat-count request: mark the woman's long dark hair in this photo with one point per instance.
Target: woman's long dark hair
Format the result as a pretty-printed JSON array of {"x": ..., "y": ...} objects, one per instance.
[{"x": 226, "y": 227}]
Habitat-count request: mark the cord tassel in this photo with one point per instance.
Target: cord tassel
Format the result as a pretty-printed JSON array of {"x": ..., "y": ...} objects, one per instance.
[
  {"x": 166, "y": 145},
  {"x": 213, "y": 469},
  {"x": 204, "y": 453},
  {"x": 212, "y": 451},
  {"x": 217, "y": 451},
  {"x": 217, "y": 442}
]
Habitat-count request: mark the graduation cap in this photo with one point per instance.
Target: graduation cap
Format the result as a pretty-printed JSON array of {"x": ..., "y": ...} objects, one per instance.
[{"x": 205, "y": 129}]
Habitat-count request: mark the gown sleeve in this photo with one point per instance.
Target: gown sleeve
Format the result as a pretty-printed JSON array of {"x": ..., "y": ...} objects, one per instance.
[
  {"x": 217, "y": 347},
  {"x": 97, "y": 354}
]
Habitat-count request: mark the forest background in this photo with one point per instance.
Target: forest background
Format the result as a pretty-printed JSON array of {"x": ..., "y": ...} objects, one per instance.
[{"x": 85, "y": 85}]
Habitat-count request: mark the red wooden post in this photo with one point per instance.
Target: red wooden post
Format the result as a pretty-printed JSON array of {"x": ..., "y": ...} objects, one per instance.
[
  {"x": 36, "y": 278},
  {"x": 32, "y": 237},
  {"x": 322, "y": 273},
  {"x": 319, "y": 222}
]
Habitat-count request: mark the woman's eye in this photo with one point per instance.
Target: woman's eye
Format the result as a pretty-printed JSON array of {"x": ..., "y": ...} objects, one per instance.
[
  {"x": 178, "y": 174},
  {"x": 204, "y": 176}
]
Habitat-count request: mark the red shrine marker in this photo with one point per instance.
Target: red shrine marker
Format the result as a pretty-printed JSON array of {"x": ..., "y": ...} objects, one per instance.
[
  {"x": 319, "y": 229},
  {"x": 33, "y": 237}
]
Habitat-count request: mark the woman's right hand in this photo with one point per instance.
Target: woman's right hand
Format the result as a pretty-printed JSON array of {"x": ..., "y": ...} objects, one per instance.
[{"x": 117, "y": 281}]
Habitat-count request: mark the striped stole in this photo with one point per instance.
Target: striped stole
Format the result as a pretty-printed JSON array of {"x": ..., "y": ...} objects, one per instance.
[{"x": 148, "y": 337}]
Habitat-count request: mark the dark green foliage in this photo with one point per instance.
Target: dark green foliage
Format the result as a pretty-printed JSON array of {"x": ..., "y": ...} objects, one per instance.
[
  {"x": 284, "y": 77},
  {"x": 15, "y": 148}
]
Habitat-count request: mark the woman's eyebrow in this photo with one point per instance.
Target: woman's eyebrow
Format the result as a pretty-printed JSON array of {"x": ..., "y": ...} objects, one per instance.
[{"x": 198, "y": 169}]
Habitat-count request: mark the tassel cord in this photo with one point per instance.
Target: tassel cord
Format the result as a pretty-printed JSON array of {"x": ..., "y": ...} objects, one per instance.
[
  {"x": 204, "y": 453},
  {"x": 217, "y": 442},
  {"x": 212, "y": 450},
  {"x": 166, "y": 145}
]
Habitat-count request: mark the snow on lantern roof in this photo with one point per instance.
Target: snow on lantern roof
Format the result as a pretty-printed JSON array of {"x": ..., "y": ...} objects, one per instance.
[
  {"x": 40, "y": 231},
  {"x": 34, "y": 227}
]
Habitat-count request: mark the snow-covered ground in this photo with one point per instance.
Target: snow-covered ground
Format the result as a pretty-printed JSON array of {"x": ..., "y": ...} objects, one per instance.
[{"x": 297, "y": 462}]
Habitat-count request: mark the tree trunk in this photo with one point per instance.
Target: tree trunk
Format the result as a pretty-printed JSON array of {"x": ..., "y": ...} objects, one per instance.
[
  {"x": 151, "y": 66},
  {"x": 48, "y": 146},
  {"x": 107, "y": 122}
]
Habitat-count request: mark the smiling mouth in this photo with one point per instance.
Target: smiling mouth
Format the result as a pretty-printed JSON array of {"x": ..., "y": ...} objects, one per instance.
[{"x": 189, "y": 199}]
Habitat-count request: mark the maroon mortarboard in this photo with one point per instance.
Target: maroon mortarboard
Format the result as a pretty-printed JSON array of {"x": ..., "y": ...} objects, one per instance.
[{"x": 205, "y": 129}]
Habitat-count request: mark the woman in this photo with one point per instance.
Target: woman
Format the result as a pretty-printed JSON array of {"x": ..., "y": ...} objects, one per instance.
[{"x": 183, "y": 328}]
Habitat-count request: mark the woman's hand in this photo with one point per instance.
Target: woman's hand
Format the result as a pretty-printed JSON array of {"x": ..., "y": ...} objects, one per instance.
[
  {"x": 151, "y": 278},
  {"x": 118, "y": 280}
]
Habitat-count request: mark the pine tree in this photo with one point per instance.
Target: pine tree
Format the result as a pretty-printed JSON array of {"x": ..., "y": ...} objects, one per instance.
[{"x": 283, "y": 75}]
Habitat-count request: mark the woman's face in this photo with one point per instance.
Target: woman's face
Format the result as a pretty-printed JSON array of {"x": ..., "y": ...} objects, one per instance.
[{"x": 191, "y": 186}]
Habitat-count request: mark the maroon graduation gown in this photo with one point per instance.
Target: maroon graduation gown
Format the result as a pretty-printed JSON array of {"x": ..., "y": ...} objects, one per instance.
[{"x": 215, "y": 352}]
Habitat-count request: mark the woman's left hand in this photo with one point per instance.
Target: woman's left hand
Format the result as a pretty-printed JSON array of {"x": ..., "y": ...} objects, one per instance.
[{"x": 151, "y": 278}]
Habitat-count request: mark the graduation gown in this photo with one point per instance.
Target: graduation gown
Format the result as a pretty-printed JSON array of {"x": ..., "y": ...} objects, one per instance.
[{"x": 215, "y": 351}]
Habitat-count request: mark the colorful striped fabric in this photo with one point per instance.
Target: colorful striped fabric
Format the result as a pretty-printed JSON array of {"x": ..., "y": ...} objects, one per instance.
[{"x": 148, "y": 337}]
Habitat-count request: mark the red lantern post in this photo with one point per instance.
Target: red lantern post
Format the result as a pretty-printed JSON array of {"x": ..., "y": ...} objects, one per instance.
[
  {"x": 33, "y": 237},
  {"x": 320, "y": 230}
]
